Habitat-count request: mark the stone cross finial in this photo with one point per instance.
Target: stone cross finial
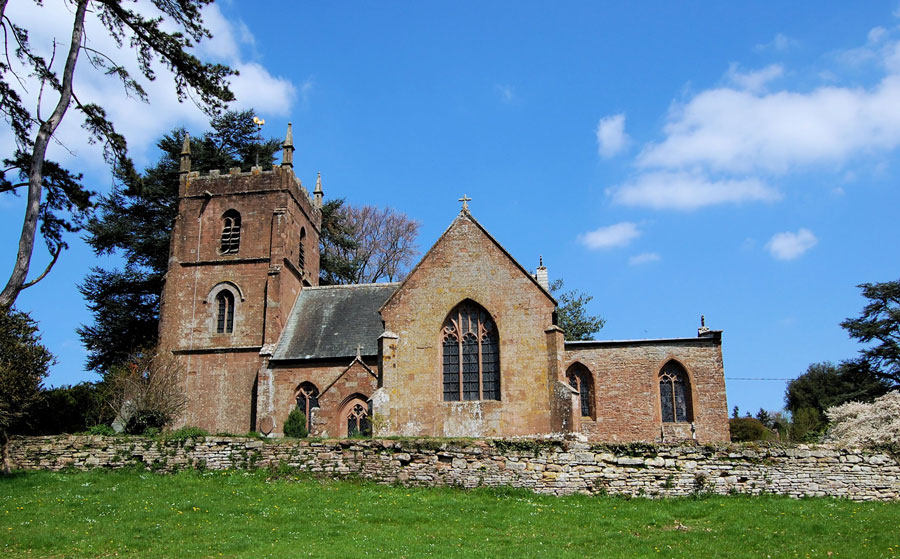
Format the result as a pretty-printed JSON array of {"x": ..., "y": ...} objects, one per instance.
[
  {"x": 702, "y": 320},
  {"x": 465, "y": 200},
  {"x": 358, "y": 351}
]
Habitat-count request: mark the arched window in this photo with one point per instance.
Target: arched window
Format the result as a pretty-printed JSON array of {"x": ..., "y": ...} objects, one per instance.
[
  {"x": 231, "y": 232},
  {"x": 307, "y": 399},
  {"x": 357, "y": 413},
  {"x": 471, "y": 355},
  {"x": 225, "y": 312},
  {"x": 301, "y": 257},
  {"x": 674, "y": 394},
  {"x": 580, "y": 379}
]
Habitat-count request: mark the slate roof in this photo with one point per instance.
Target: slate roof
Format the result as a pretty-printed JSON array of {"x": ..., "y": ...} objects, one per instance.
[{"x": 330, "y": 322}]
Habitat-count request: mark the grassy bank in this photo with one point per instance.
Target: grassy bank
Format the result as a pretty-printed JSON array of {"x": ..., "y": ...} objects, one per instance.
[{"x": 241, "y": 514}]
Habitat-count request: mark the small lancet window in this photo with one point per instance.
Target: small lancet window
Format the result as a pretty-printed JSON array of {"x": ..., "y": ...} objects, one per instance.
[
  {"x": 470, "y": 355},
  {"x": 580, "y": 379},
  {"x": 301, "y": 257},
  {"x": 225, "y": 312},
  {"x": 307, "y": 399},
  {"x": 674, "y": 394},
  {"x": 231, "y": 232}
]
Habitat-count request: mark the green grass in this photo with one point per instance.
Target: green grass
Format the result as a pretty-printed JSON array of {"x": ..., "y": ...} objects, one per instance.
[{"x": 244, "y": 514}]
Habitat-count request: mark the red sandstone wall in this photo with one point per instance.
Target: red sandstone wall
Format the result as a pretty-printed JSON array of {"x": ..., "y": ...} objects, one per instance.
[
  {"x": 466, "y": 264},
  {"x": 220, "y": 369},
  {"x": 626, "y": 390},
  {"x": 336, "y": 383}
]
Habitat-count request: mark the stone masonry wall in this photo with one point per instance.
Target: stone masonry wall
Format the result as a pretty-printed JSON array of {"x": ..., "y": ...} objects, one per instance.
[{"x": 543, "y": 466}]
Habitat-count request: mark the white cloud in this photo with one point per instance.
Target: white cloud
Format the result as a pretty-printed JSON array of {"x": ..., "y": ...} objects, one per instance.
[
  {"x": 780, "y": 43},
  {"x": 788, "y": 245},
  {"x": 611, "y": 137},
  {"x": 738, "y": 131},
  {"x": 140, "y": 123},
  {"x": 753, "y": 81},
  {"x": 643, "y": 258},
  {"x": 682, "y": 190},
  {"x": 507, "y": 93},
  {"x": 611, "y": 236}
]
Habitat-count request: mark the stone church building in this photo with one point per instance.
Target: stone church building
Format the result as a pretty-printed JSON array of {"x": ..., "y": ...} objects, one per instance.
[{"x": 466, "y": 346}]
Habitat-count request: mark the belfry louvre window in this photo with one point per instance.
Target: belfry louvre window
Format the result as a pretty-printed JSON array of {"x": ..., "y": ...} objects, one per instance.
[
  {"x": 231, "y": 232},
  {"x": 470, "y": 355},
  {"x": 225, "y": 312},
  {"x": 301, "y": 256},
  {"x": 674, "y": 394}
]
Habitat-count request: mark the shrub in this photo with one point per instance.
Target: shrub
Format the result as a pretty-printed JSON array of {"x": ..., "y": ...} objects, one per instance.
[
  {"x": 869, "y": 425},
  {"x": 186, "y": 433},
  {"x": 101, "y": 430},
  {"x": 295, "y": 426},
  {"x": 748, "y": 429},
  {"x": 143, "y": 421}
]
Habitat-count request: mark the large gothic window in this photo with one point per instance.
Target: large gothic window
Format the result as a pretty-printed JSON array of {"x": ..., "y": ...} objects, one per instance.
[
  {"x": 307, "y": 399},
  {"x": 225, "y": 312},
  {"x": 231, "y": 232},
  {"x": 470, "y": 355},
  {"x": 674, "y": 394},
  {"x": 580, "y": 379}
]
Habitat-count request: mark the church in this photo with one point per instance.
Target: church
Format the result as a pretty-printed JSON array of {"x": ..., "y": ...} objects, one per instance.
[{"x": 466, "y": 346}]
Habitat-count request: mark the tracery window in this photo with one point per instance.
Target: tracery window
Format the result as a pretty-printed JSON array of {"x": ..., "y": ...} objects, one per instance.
[
  {"x": 358, "y": 423},
  {"x": 231, "y": 232},
  {"x": 470, "y": 355},
  {"x": 307, "y": 399},
  {"x": 674, "y": 394},
  {"x": 580, "y": 379},
  {"x": 225, "y": 312}
]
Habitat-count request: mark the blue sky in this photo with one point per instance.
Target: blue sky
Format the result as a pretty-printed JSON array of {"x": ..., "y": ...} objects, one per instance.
[{"x": 670, "y": 159}]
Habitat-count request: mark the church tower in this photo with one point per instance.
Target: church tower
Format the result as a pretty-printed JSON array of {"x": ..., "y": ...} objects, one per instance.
[{"x": 243, "y": 247}]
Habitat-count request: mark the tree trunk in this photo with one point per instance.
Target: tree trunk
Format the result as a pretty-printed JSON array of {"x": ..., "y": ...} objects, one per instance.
[
  {"x": 35, "y": 174},
  {"x": 5, "y": 468}
]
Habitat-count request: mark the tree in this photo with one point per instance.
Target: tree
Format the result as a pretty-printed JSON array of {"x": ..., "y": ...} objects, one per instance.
[
  {"x": 165, "y": 37},
  {"x": 875, "y": 424},
  {"x": 879, "y": 323},
  {"x": 145, "y": 393},
  {"x": 135, "y": 220},
  {"x": 572, "y": 315},
  {"x": 366, "y": 244},
  {"x": 825, "y": 385},
  {"x": 23, "y": 366}
]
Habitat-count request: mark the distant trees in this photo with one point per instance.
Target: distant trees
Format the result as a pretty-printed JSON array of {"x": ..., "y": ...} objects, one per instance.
[
  {"x": 165, "y": 34},
  {"x": 572, "y": 314},
  {"x": 365, "y": 244},
  {"x": 23, "y": 366},
  {"x": 824, "y": 385},
  {"x": 875, "y": 424},
  {"x": 135, "y": 221},
  {"x": 879, "y": 323}
]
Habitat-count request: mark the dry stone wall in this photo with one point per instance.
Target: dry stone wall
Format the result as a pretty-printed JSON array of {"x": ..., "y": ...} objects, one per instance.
[{"x": 544, "y": 466}]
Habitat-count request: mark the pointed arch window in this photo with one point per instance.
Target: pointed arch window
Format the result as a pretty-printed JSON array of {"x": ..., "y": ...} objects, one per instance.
[
  {"x": 307, "y": 399},
  {"x": 225, "y": 312},
  {"x": 301, "y": 256},
  {"x": 675, "y": 394},
  {"x": 580, "y": 379},
  {"x": 470, "y": 355},
  {"x": 231, "y": 232},
  {"x": 356, "y": 415}
]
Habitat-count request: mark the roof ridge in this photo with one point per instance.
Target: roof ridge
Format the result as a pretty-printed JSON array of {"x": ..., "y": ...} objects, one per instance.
[{"x": 351, "y": 285}]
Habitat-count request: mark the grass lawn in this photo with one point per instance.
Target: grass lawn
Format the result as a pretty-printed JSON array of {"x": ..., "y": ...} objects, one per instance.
[{"x": 241, "y": 514}]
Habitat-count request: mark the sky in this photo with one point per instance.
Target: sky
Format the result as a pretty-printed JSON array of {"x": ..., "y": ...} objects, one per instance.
[{"x": 673, "y": 160}]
